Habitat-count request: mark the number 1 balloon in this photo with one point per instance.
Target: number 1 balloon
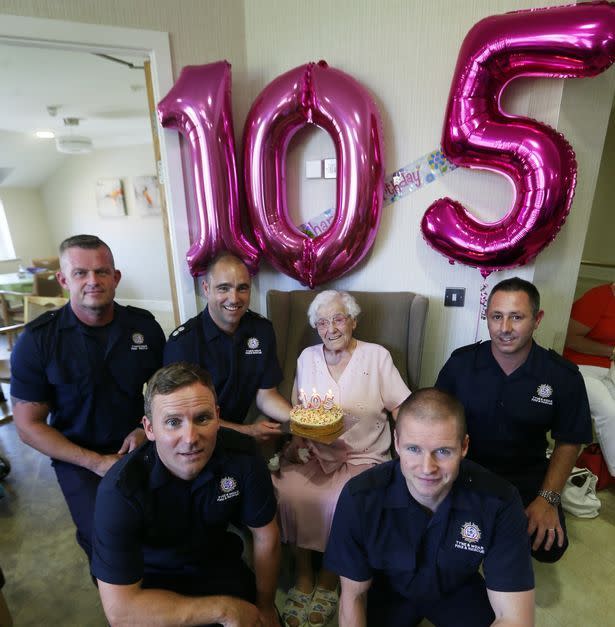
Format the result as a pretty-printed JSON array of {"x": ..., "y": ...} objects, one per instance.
[{"x": 199, "y": 107}]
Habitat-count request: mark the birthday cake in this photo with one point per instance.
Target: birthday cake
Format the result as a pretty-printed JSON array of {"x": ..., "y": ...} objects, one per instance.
[{"x": 316, "y": 421}]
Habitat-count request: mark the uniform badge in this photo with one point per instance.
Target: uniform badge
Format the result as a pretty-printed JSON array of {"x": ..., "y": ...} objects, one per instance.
[
  {"x": 253, "y": 347},
  {"x": 227, "y": 484},
  {"x": 178, "y": 331},
  {"x": 470, "y": 532},
  {"x": 138, "y": 342},
  {"x": 543, "y": 393}
]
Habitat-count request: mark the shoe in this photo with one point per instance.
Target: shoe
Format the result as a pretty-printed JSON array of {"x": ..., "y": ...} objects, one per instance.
[
  {"x": 296, "y": 606},
  {"x": 324, "y": 604}
]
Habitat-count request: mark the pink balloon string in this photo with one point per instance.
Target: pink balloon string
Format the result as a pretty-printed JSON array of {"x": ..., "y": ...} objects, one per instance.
[{"x": 482, "y": 307}]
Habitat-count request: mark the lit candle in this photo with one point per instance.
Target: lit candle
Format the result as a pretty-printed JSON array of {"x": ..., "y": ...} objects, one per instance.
[
  {"x": 303, "y": 399},
  {"x": 328, "y": 401},
  {"x": 315, "y": 400}
]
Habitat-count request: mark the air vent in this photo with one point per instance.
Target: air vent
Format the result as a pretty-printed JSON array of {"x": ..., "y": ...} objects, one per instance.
[{"x": 74, "y": 144}]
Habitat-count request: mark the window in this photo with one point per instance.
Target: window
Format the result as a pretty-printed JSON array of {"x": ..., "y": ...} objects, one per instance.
[{"x": 7, "y": 250}]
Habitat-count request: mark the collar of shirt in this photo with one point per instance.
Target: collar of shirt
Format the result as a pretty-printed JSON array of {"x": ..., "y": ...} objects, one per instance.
[
  {"x": 160, "y": 474},
  {"x": 211, "y": 330},
  {"x": 398, "y": 496},
  {"x": 69, "y": 320},
  {"x": 533, "y": 366}
]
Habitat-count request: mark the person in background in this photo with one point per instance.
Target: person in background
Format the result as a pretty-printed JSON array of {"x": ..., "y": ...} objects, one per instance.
[
  {"x": 590, "y": 343},
  {"x": 162, "y": 552},
  {"x": 514, "y": 392},
  {"x": 410, "y": 535},
  {"x": 237, "y": 347},
  {"x": 84, "y": 367},
  {"x": 6, "y": 619},
  {"x": 366, "y": 385}
]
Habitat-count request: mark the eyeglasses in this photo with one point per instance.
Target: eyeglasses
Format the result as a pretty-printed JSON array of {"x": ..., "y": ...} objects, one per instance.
[{"x": 335, "y": 320}]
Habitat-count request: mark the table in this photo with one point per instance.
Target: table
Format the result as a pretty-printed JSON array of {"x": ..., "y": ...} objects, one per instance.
[{"x": 13, "y": 282}]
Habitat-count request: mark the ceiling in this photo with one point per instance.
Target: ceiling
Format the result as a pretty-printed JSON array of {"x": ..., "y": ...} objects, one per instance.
[{"x": 109, "y": 98}]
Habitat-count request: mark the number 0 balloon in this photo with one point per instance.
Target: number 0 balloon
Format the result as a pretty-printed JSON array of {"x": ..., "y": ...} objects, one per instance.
[
  {"x": 562, "y": 42},
  {"x": 321, "y": 95}
]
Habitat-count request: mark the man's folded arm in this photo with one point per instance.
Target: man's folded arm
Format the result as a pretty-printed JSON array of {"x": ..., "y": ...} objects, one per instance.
[
  {"x": 31, "y": 422},
  {"x": 133, "y": 605},
  {"x": 353, "y": 602},
  {"x": 512, "y": 609}
]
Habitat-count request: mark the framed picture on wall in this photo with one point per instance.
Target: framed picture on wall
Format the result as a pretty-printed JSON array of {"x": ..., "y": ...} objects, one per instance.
[
  {"x": 110, "y": 198},
  {"x": 147, "y": 195}
]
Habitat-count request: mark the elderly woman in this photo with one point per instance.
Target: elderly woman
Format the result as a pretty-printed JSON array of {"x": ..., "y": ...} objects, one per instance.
[
  {"x": 590, "y": 343},
  {"x": 366, "y": 384}
]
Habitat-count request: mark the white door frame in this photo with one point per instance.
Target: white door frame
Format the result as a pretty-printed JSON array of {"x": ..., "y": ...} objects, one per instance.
[{"x": 60, "y": 34}]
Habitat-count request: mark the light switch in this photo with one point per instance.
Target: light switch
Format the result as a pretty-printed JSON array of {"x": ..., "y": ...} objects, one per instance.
[
  {"x": 454, "y": 296},
  {"x": 313, "y": 169},
  {"x": 330, "y": 168}
]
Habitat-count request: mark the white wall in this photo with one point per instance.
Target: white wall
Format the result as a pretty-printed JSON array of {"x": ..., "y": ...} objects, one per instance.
[
  {"x": 404, "y": 53},
  {"x": 28, "y": 225},
  {"x": 69, "y": 197},
  {"x": 599, "y": 245}
]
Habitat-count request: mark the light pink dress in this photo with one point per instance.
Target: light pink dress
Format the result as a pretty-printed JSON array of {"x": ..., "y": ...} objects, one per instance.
[{"x": 307, "y": 493}]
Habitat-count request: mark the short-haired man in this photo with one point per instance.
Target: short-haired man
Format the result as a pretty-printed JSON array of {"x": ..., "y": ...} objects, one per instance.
[
  {"x": 514, "y": 392},
  {"x": 162, "y": 551},
  {"x": 237, "y": 347},
  {"x": 84, "y": 366},
  {"x": 409, "y": 536}
]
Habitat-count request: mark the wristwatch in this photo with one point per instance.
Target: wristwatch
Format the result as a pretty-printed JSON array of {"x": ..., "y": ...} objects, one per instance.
[{"x": 551, "y": 496}]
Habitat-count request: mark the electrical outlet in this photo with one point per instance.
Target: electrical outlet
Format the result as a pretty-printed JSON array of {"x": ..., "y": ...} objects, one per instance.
[
  {"x": 454, "y": 296},
  {"x": 330, "y": 168}
]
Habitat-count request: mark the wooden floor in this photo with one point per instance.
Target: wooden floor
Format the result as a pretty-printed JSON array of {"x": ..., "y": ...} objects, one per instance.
[{"x": 48, "y": 581}]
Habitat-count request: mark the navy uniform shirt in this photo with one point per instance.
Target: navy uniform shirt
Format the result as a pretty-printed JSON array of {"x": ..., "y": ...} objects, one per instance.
[
  {"x": 91, "y": 377},
  {"x": 380, "y": 532},
  {"x": 509, "y": 416},
  {"x": 147, "y": 521},
  {"x": 239, "y": 364}
]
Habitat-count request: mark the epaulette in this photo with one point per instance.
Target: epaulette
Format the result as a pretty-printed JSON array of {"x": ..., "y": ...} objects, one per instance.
[
  {"x": 139, "y": 311},
  {"x": 134, "y": 475},
  {"x": 480, "y": 479},
  {"x": 181, "y": 329},
  {"x": 232, "y": 440},
  {"x": 376, "y": 478},
  {"x": 43, "y": 319},
  {"x": 254, "y": 314},
  {"x": 562, "y": 361},
  {"x": 466, "y": 349}
]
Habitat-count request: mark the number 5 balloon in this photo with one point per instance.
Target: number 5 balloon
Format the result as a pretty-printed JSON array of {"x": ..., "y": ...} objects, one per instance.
[
  {"x": 561, "y": 42},
  {"x": 321, "y": 95}
]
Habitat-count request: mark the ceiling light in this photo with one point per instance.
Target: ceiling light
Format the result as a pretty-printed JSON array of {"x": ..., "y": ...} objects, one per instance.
[
  {"x": 74, "y": 144},
  {"x": 45, "y": 134}
]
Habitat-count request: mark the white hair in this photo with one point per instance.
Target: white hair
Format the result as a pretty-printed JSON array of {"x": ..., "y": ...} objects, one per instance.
[{"x": 324, "y": 298}]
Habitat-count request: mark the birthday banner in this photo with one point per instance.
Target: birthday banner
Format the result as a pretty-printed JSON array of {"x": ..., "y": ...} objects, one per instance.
[
  {"x": 418, "y": 174},
  {"x": 397, "y": 185}
]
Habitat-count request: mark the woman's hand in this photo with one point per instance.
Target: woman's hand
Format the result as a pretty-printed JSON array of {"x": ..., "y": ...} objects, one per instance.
[{"x": 293, "y": 451}]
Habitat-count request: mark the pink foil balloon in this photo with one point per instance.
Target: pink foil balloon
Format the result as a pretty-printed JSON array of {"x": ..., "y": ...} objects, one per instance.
[
  {"x": 321, "y": 95},
  {"x": 560, "y": 42},
  {"x": 199, "y": 107}
]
